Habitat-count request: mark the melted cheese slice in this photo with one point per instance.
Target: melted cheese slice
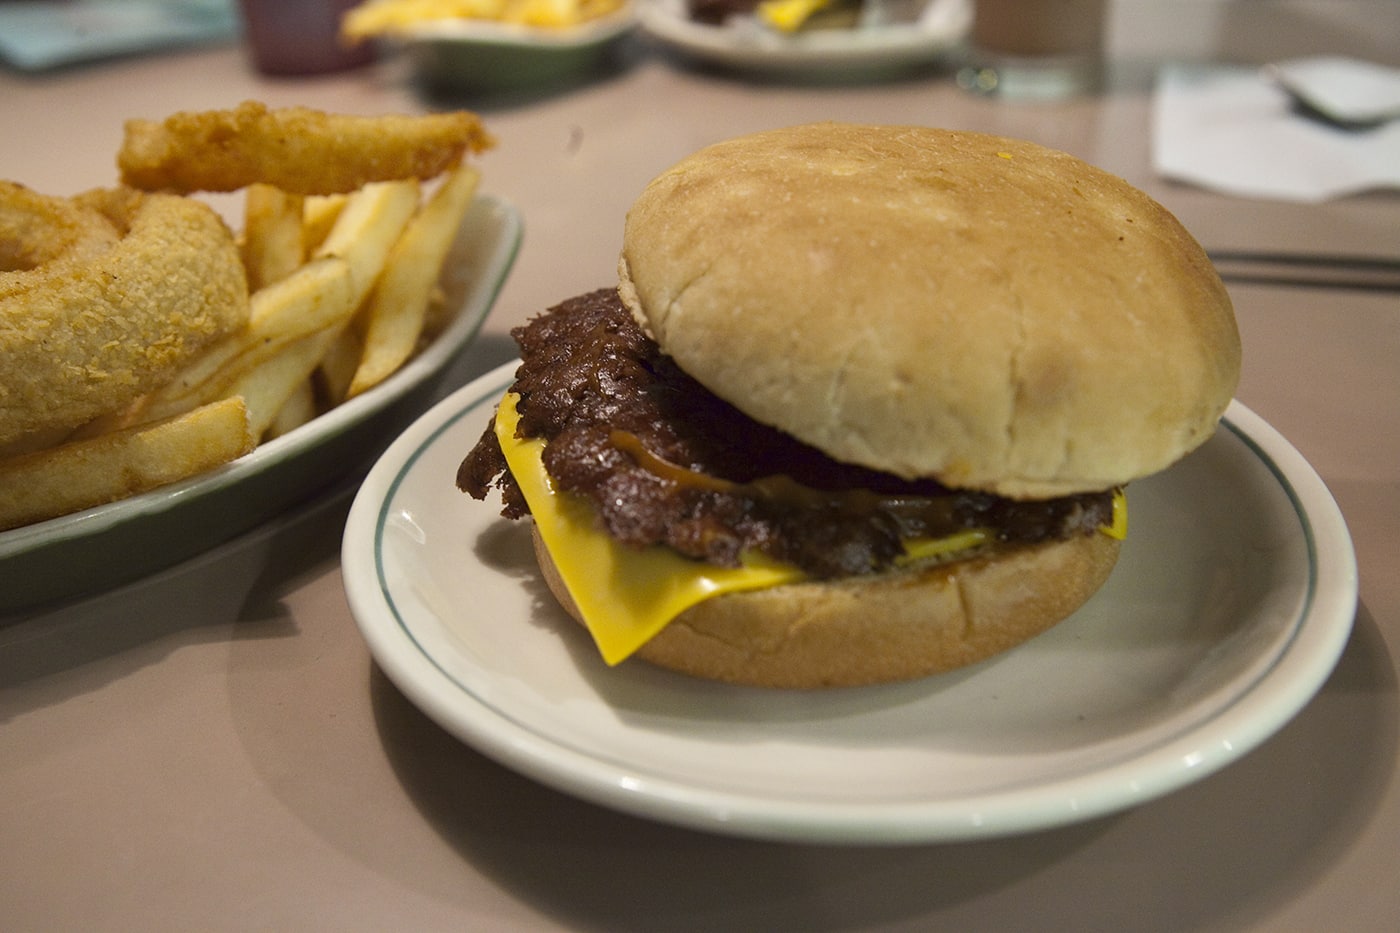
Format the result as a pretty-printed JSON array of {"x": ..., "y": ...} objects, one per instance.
[{"x": 624, "y": 595}]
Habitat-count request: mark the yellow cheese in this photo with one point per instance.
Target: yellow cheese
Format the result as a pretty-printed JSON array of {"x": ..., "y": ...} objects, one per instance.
[
  {"x": 625, "y": 595},
  {"x": 1118, "y": 527}
]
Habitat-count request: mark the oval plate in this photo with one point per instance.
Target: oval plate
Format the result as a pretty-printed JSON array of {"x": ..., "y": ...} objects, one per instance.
[{"x": 87, "y": 551}]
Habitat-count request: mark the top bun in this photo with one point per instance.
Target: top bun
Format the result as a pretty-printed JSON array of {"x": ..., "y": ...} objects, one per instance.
[{"x": 980, "y": 310}]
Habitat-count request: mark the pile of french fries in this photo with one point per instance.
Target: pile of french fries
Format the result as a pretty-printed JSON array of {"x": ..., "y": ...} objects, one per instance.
[
  {"x": 341, "y": 290},
  {"x": 388, "y": 17}
]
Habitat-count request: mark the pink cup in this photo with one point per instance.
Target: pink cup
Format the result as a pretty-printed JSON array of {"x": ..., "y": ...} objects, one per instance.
[{"x": 300, "y": 37}]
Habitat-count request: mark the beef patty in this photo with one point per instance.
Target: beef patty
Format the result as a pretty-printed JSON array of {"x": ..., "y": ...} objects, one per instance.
[{"x": 664, "y": 461}]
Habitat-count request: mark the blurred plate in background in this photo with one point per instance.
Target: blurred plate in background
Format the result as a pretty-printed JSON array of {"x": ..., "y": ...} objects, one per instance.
[
  {"x": 486, "y": 55},
  {"x": 872, "y": 49}
]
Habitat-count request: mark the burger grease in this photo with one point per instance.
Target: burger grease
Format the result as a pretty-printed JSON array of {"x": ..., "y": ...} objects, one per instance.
[{"x": 986, "y": 339}]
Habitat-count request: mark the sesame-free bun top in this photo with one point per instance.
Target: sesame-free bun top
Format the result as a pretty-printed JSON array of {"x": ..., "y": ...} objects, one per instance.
[{"x": 932, "y": 303}]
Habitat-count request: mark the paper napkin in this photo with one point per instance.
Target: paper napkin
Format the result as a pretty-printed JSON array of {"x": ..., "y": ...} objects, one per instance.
[{"x": 1237, "y": 130}]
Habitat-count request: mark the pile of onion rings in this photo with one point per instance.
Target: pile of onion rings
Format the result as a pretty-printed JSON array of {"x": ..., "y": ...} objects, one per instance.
[
  {"x": 129, "y": 315},
  {"x": 103, "y": 297}
]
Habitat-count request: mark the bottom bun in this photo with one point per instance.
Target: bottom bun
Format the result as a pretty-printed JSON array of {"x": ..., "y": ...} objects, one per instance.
[{"x": 877, "y": 629}]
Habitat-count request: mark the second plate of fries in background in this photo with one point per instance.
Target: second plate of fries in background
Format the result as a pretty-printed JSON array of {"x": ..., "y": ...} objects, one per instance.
[{"x": 494, "y": 45}]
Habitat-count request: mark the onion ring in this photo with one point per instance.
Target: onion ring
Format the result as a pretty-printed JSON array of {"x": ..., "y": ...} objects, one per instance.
[
  {"x": 103, "y": 297},
  {"x": 297, "y": 149}
]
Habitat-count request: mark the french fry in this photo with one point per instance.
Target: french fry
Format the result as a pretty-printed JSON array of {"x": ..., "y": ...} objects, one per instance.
[
  {"x": 266, "y": 386},
  {"x": 339, "y": 364},
  {"x": 367, "y": 228},
  {"x": 319, "y": 213},
  {"x": 440, "y": 311},
  {"x": 272, "y": 234},
  {"x": 82, "y": 474},
  {"x": 389, "y": 17},
  {"x": 297, "y": 410},
  {"x": 398, "y": 305}
]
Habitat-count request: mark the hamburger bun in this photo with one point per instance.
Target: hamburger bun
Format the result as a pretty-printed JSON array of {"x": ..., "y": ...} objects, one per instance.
[
  {"x": 890, "y": 627},
  {"x": 984, "y": 311}
]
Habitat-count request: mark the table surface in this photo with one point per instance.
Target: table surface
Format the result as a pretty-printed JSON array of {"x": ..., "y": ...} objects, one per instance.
[{"x": 214, "y": 748}]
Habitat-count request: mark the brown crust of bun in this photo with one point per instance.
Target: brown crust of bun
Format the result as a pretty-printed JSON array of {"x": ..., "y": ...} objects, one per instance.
[
  {"x": 992, "y": 313},
  {"x": 881, "y": 629}
]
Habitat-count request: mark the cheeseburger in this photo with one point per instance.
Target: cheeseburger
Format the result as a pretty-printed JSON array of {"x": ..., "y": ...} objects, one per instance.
[{"x": 862, "y": 407}]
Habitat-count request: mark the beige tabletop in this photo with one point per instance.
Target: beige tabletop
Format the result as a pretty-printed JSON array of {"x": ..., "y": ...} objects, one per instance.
[{"x": 214, "y": 748}]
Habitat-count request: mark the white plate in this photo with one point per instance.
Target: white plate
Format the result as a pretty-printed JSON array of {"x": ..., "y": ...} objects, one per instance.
[
  {"x": 487, "y": 55},
  {"x": 1233, "y": 598},
  {"x": 744, "y": 45},
  {"x": 81, "y": 553}
]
